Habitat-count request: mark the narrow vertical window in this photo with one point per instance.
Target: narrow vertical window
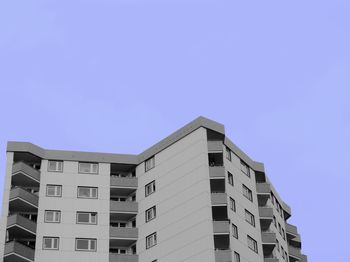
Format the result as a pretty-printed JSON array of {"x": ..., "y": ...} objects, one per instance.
[
  {"x": 150, "y": 188},
  {"x": 252, "y": 244},
  {"x": 230, "y": 178},
  {"x": 249, "y": 217},
  {"x": 245, "y": 168},
  {"x": 151, "y": 240},
  {"x": 237, "y": 257},
  {"x": 149, "y": 164},
  {"x": 247, "y": 193},
  {"x": 228, "y": 154},
  {"x": 150, "y": 214},
  {"x": 234, "y": 231},
  {"x": 232, "y": 204}
]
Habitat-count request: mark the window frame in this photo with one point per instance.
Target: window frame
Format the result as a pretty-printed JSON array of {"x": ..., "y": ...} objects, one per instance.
[
  {"x": 89, "y": 244},
  {"x": 230, "y": 178},
  {"x": 55, "y": 211},
  {"x": 232, "y": 204},
  {"x": 152, "y": 243},
  {"x": 52, "y": 243},
  {"x": 245, "y": 168},
  {"x": 228, "y": 154},
  {"x": 152, "y": 161},
  {"x": 234, "y": 231},
  {"x": 152, "y": 210},
  {"x": 90, "y": 217},
  {"x": 91, "y": 188},
  {"x": 250, "y": 221},
  {"x": 153, "y": 185},
  {"x": 253, "y": 242},
  {"x": 247, "y": 192},
  {"x": 52, "y": 185},
  {"x": 91, "y": 168},
  {"x": 237, "y": 257},
  {"x": 56, "y": 170}
]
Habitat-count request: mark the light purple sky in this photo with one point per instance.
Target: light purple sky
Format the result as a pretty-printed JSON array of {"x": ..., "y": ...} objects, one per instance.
[{"x": 118, "y": 76}]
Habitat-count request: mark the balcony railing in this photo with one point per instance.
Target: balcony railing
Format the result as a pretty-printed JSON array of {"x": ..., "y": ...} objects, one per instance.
[
  {"x": 266, "y": 212},
  {"x": 291, "y": 229},
  {"x": 23, "y": 173},
  {"x": 268, "y": 238},
  {"x": 22, "y": 200},
  {"x": 263, "y": 188},
  {"x": 218, "y": 199},
  {"x": 223, "y": 255},
  {"x": 123, "y": 206},
  {"x": 215, "y": 146},
  {"x": 221, "y": 227},
  {"x": 17, "y": 252},
  {"x": 122, "y": 258},
  {"x": 216, "y": 171},
  {"x": 129, "y": 182},
  {"x": 22, "y": 223},
  {"x": 123, "y": 232},
  {"x": 295, "y": 252}
]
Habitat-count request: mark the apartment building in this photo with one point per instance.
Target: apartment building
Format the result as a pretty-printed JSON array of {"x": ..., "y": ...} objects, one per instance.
[{"x": 194, "y": 196}]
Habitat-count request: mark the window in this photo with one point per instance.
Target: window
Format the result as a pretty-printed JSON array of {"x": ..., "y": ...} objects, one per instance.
[
  {"x": 228, "y": 154},
  {"x": 53, "y": 190},
  {"x": 88, "y": 168},
  {"x": 282, "y": 252},
  {"x": 230, "y": 178},
  {"x": 87, "y": 218},
  {"x": 151, "y": 240},
  {"x": 249, "y": 217},
  {"x": 278, "y": 245},
  {"x": 279, "y": 228},
  {"x": 237, "y": 257},
  {"x": 285, "y": 253},
  {"x": 149, "y": 164},
  {"x": 247, "y": 193},
  {"x": 281, "y": 211},
  {"x": 85, "y": 244},
  {"x": 234, "y": 231},
  {"x": 50, "y": 243},
  {"x": 274, "y": 221},
  {"x": 52, "y": 216},
  {"x": 150, "y": 188},
  {"x": 278, "y": 206},
  {"x": 283, "y": 234},
  {"x": 252, "y": 244},
  {"x": 272, "y": 199},
  {"x": 232, "y": 204},
  {"x": 245, "y": 168},
  {"x": 150, "y": 214},
  {"x": 55, "y": 166},
  {"x": 87, "y": 192}
]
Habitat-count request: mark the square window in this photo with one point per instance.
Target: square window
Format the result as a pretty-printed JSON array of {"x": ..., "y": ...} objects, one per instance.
[
  {"x": 53, "y": 190},
  {"x": 252, "y": 244},
  {"x": 52, "y": 216},
  {"x": 151, "y": 240},
  {"x": 50, "y": 243},
  {"x": 150, "y": 214}
]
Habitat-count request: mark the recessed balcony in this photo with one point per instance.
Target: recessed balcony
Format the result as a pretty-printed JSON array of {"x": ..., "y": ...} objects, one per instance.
[
  {"x": 291, "y": 230},
  {"x": 123, "y": 232},
  {"x": 123, "y": 257},
  {"x": 217, "y": 172},
  {"x": 223, "y": 255},
  {"x": 22, "y": 201},
  {"x": 123, "y": 210},
  {"x": 17, "y": 252},
  {"x": 215, "y": 146},
  {"x": 266, "y": 217},
  {"x": 219, "y": 199},
  {"x": 269, "y": 242},
  {"x": 124, "y": 182},
  {"x": 25, "y": 175},
  {"x": 19, "y": 227},
  {"x": 263, "y": 191}
]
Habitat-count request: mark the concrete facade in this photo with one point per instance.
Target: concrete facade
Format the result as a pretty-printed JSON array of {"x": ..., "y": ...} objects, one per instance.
[{"x": 194, "y": 196}]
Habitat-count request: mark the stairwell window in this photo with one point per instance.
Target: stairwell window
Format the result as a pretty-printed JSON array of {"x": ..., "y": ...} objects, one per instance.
[
  {"x": 55, "y": 166},
  {"x": 50, "y": 243},
  {"x": 247, "y": 193},
  {"x": 52, "y": 216},
  {"x": 53, "y": 190},
  {"x": 151, "y": 240},
  {"x": 149, "y": 164},
  {"x": 245, "y": 169},
  {"x": 88, "y": 168},
  {"x": 87, "y": 218},
  {"x": 230, "y": 178},
  {"x": 150, "y": 214},
  {"x": 85, "y": 244},
  {"x": 150, "y": 188},
  {"x": 234, "y": 231},
  {"x": 252, "y": 244},
  {"x": 228, "y": 154},
  {"x": 249, "y": 217}
]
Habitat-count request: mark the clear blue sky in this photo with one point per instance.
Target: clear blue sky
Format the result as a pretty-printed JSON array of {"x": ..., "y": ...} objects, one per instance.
[{"x": 118, "y": 76}]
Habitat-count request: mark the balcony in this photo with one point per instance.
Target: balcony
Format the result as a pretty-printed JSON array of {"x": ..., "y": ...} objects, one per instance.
[
  {"x": 22, "y": 201},
  {"x": 218, "y": 199},
  {"x": 217, "y": 172},
  {"x": 16, "y": 252},
  {"x": 20, "y": 227},
  {"x": 124, "y": 182},
  {"x": 287, "y": 212},
  {"x": 221, "y": 227},
  {"x": 291, "y": 230},
  {"x": 25, "y": 175},
  {"x": 123, "y": 258},
  {"x": 263, "y": 191},
  {"x": 294, "y": 253},
  {"x": 123, "y": 232},
  {"x": 266, "y": 217},
  {"x": 223, "y": 256},
  {"x": 215, "y": 146},
  {"x": 269, "y": 242}
]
